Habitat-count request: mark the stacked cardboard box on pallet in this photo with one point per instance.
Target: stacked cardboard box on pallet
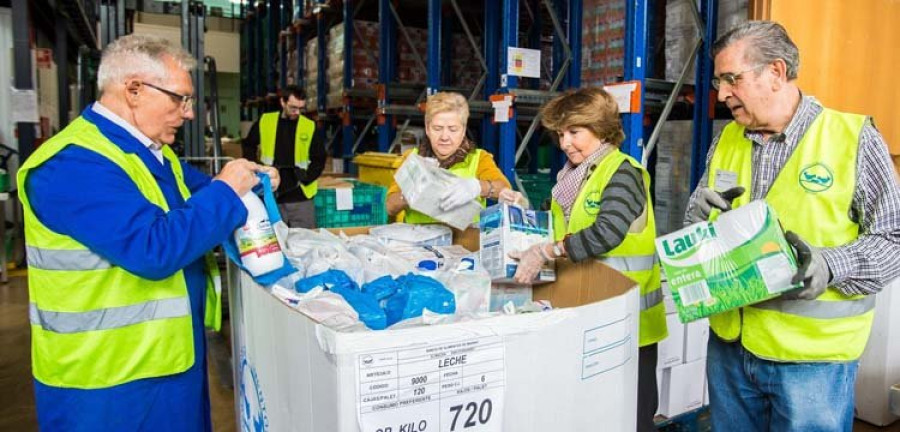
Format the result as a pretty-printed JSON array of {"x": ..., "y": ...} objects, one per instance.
[
  {"x": 465, "y": 70},
  {"x": 602, "y": 42},
  {"x": 365, "y": 60},
  {"x": 310, "y": 57},
  {"x": 465, "y": 67},
  {"x": 681, "y": 365}
]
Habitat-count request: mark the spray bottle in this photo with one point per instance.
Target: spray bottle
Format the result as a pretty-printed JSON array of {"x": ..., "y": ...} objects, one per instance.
[{"x": 256, "y": 241}]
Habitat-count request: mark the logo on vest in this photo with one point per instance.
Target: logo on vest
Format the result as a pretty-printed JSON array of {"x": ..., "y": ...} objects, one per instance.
[
  {"x": 592, "y": 203},
  {"x": 816, "y": 178},
  {"x": 304, "y": 137}
]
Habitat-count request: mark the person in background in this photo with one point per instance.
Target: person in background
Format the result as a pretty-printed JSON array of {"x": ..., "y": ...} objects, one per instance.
[
  {"x": 446, "y": 115},
  {"x": 290, "y": 142},
  {"x": 790, "y": 363},
  {"x": 601, "y": 210},
  {"x": 118, "y": 233}
]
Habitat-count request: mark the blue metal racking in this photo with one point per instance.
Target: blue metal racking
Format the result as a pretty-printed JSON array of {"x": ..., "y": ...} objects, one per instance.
[
  {"x": 637, "y": 18},
  {"x": 501, "y": 31}
]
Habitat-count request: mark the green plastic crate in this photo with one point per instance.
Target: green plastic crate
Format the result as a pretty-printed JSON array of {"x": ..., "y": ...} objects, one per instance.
[
  {"x": 537, "y": 187},
  {"x": 368, "y": 207}
]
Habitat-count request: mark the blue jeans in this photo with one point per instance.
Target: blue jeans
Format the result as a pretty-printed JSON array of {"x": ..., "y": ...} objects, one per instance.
[{"x": 747, "y": 393}]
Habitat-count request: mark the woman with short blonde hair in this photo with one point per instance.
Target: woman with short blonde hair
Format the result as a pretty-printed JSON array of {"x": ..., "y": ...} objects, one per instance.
[{"x": 479, "y": 178}]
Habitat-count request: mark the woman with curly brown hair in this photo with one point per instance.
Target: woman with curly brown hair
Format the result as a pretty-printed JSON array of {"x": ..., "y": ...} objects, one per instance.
[{"x": 602, "y": 210}]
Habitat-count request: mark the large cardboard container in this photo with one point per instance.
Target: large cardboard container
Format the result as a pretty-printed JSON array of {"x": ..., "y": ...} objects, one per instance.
[{"x": 573, "y": 368}]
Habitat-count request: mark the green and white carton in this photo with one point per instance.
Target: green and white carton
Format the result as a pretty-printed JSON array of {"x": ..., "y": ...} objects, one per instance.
[{"x": 739, "y": 259}]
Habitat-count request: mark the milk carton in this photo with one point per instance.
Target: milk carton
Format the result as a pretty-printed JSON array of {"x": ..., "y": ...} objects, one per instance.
[
  {"x": 506, "y": 228},
  {"x": 740, "y": 259}
]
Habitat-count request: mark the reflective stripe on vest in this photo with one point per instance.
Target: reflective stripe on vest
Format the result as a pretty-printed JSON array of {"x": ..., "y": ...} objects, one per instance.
[
  {"x": 631, "y": 263},
  {"x": 635, "y": 256},
  {"x": 468, "y": 168},
  {"x": 109, "y": 318},
  {"x": 55, "y": 259},
  {"x": 812, "y": 195},
  {"x": 651, "y": 299},
  {"x": 819, "y": 309},
  {"x": 93, "y": 324},
  {"x": 306, "y": 128}
]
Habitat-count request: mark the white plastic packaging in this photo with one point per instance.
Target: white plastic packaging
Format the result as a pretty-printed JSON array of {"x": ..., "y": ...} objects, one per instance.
[{"x": 256, "y": 240}]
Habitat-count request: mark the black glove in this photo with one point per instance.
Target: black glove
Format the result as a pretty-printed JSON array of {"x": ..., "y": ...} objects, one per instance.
[
  {"x": 708, "y": 199},
  {"x": 300, "y": 174},
  {"x": 812, "y": 270}
]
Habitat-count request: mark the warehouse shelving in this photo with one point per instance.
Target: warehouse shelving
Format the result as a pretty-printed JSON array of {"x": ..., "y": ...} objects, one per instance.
[{"x": 362, "y": 109}]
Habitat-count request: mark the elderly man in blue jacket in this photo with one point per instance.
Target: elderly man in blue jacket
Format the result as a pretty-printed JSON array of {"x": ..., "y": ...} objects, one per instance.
[{"x": 118, "y": 231}]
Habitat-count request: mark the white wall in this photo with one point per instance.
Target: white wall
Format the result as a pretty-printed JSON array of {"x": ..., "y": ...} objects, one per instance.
[{"x": 224, "y": 47}]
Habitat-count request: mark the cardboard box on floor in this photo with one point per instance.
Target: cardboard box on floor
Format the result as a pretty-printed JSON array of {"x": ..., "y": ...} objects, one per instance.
[{"x": 573, "y": 368}]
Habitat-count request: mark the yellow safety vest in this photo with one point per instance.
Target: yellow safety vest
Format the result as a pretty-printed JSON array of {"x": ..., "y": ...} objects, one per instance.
[
  {"x": 94, "y": 324},
  {"x": 268, "y": 127},
  {"x": 812, "y": 196},
  {"x": 468, "y": 168},
  {"x": 635, "y": 257}
]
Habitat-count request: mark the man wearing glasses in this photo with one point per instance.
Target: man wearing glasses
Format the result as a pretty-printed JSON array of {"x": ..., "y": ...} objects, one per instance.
[
  {"x": 289, "y": 141},
  {"x": 790, "y": 363},
  {"x": 118, "y": 233}
]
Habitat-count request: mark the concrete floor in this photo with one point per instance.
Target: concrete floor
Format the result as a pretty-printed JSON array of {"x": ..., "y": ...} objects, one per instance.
[{"x": 16, "y": 394}]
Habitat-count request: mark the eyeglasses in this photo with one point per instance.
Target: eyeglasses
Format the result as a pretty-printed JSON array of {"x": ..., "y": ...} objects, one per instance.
[
  {"x": 732, "y": 78},
  {"x": 186, "y": 101}
]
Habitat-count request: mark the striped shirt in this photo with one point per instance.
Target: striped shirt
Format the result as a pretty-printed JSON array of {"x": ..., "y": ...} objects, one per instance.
[
  {"x": 622, "y": 202},
  {"x": 866, "y": 265}
]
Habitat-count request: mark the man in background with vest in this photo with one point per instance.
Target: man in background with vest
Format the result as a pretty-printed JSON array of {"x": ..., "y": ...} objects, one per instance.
[
  {"x": 790, "y": 363},
  {"x": 118, "y": 233},
  {"x": 289, "y": 141}
]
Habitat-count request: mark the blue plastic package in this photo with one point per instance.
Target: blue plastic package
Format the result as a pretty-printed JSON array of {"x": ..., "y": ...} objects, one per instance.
[
  {"x": 416, "y": 293},
  {"x": 365, "y": 304}
]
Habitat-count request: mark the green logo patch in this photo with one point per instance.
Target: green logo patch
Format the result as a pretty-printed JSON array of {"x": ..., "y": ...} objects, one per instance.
[
  {"x": 592, "y": 203},
  {"x": 816, "y": 178}
]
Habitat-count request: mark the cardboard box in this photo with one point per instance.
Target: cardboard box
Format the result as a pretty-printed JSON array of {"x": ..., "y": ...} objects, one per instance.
[
  {"x": 740, "y": 259},
  {"x": 696, "y": 336},
  {"x": 683, "y": 388},
  {"x": 572, "y": 368},
  {"x": 504, "y": 229},
  {"x": 671, "y": 349}
]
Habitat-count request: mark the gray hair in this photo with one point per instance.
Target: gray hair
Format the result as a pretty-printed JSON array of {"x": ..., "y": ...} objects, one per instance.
[
  {"x": 767, "y": 41},
  {"x": 140, "y": 55}
]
